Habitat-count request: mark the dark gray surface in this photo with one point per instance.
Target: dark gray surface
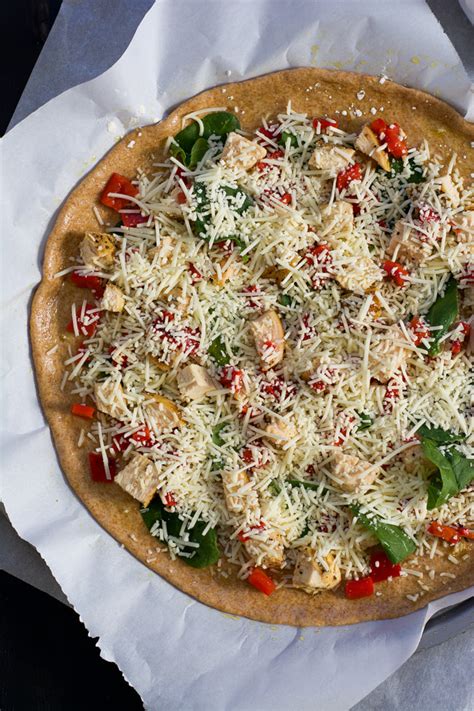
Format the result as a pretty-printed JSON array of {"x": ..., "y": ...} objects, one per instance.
[{"x": 429, "y": 679}]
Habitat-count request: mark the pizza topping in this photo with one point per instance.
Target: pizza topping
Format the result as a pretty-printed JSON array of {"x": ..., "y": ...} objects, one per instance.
[
  {"x": 98, "y": 250},
  {"x": 113, "y": 299},
  {"x": 369, "y": 143}
]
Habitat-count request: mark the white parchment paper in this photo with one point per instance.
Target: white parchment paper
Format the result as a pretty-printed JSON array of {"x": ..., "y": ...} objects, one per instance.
[{"x": 176, "y": 652}]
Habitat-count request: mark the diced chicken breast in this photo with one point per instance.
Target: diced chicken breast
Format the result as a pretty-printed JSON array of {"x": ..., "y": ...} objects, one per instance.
[
  {"x": 139, "y": 478},
  {"x": 194, "y": 382},
  {"x": 464, "y": 226},
  {"x": 241, "y": 153},
  {"x": 359, "y": 276},
  {"x": 98, "y": 250},
  {"x": 164, "y": 251},
  {"x": 113, "y": 299},
  {"x": 387, "y": 355},
  {"x": 178, "y": 299},
  {"x": 268, "y": 334},
  {"x": 405, "y": 245},
  {"x": 337, "y": 222},
  {"x": 236, "y": 500},
  {"x": 266, "y": 548},
  {"x": 158, "y": 363},
  {"x": 351, "y": 472},
  {"x": 450, "y": 190},
  {"x": 163, "y": 414},
  {"x": 330, "y": 158},
  {"x": 109, "y": 398},
  {"x": 280, "y": 433},
  {"x": 368, "y": 143},
  {"x": 311, "y": 576}
]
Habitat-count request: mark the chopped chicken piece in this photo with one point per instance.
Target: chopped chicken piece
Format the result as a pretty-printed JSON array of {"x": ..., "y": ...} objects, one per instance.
[
  {"x": 337, "y": 222},
  {"x": 158, "y": 363},
  {"x": 450, "y": 190},
  {"x": 311, "y": 576},
  {"x": 359, "y": 276},
  {"x": 266, "y": 548},
  {"x": 163, "y": 413},
  {"x": 368, "y": 143},
  {"x": 351, "y": 471},
  {"x": 464, "y": 226},
  {"x": 164, "y": 251},
  {"x": 110, "y": 399},
  {"x": 194, "y": 382},
  {"x": 280, "y": 433},
  {"x": 405, "y": 244},
  {"x": 176, "y": 298},
  {"x": 331, "y": 158},
  {"x": 139, "y": 478},
  {"x": 268, "y": 334},
  {"x": 222, "y": 275},
  {"x": 239, "y": 152},
  {"x": 386, "y": 357},
  {"x": 112, "y": 299},
  {"x": 235, "y": 500},
  {"x": 412, "y": 457},
  {"x": 98, "y": 250},
  {"x": 275, "y": 273}
]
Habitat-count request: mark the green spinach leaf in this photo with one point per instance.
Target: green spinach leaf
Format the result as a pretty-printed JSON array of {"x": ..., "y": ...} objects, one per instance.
[
  {"x": 208, "y": 552},
  {"x": 463, "y": 468},
  {"x": 438, "y": 435},
  {"x": 219, "y": 123},
  {"x": 218, "y": 351},
  {"x": 416, "y": 171},
  {"x": 443, "y": 313},
  {"x": 216, "y": 434},
  {"x": 285, "y": 300},
  {"x": 443, "y": 484},
  {"x": 366, "y": 421},
  {"x": 198, "y": 151},
  {"x": 274, "y": 487},
  {"x": 393, "y": 539},
  {"x": 305, "y": 484},
  {"x": 288, "y": 136}
]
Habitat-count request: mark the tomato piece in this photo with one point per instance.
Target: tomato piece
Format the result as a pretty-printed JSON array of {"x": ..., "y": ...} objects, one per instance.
[
  {"x": 97, "y": 468},
  {"x": 261, "y": 581},
  {"x": 118, "y": 184},
  {"x": 81, "y": 410},
  {"x": 381, "y": 568},
  {"x": 355, "y": 589},
  {"x": 322, "y": 124},
  {"x": 396, "y": 272},
  {"x": 348, "y": 175}
]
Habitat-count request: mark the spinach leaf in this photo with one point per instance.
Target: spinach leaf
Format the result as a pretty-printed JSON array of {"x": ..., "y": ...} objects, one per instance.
[
  {"x": 393, "y": 539},
  {"x": 443, "y": 313},
  {"x": 216, "y": 434},
  {"x": 463, "y": 468},
  {"x": 208, "y": 551},
  {"x": 220, "y": 123},
  {"x": 218, "y": 351},
  {"x": 288, "y": 136},
  {"x": 443, "y": 484},
  {"x": 203, "y": 212},
  {"x": 416, "y": 171},
  {"x": 285, "y": 300},
  {"x": 366, "y": 421},
  {"x": 216, "y": 465},
  {"x": 198, "y": 151},
  {"x": 438, "y": 435},
  {"x": 305, "y": 484},
  {"x": 274, "y": 487}
]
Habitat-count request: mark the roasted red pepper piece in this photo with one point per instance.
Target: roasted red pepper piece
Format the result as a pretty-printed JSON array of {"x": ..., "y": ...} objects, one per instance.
[
  {"x": 97, "y": 468},
  {"x": 132, "y": 219},
  {"x": 169, "y": 499},
  {"x": 87, "y": 281},
  {"x": 355, "y": 589},
  {"x": 348, "y": 175},
  {"x": 260, "y": 580},
  {"x": 80, "y": 410},
  {"x": 419, "y": 330},
  {"x": 396, "y": 272},
  {"x": 324, "y": 124},
  {"x": 118, "y": 184},
  {"x": 86, "y": 326},
  {"x": 381, "y": 568},
  {"x": 232, "y": 378},
  {"x": 451, "y": 534}
]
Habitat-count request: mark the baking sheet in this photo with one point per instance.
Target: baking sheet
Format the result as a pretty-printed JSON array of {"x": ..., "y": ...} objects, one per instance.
[{"x": 156, "y": 634}]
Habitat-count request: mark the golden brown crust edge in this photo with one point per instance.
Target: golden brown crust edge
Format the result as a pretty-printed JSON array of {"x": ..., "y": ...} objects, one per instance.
[{"x": 319, "y": 92}]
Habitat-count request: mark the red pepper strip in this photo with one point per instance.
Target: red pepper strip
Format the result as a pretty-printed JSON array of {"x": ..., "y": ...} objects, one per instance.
[
  {"x": 86, "y": 281},
  {"x": 132, "y": 219},
  {"x": 169, "y": 499},
  {"x": 181, "y": 198},
  {"x": 97, "y": 468},
  {"x": 364, "y": 587},
  {"x": 346, "y": 176},
  {"x": 118, "y": 184},
  {"x": 381, "y": 568},
  {"x": 85, "y": 411},
  {"x": 378, "y": 126},
  {"x": 324, "y": 124},
  {"x": 260, "y": 580},
  {"x": 195, "y": 273},
  {"x": 396, "y": 272},
  {"x": 451, "y": 534},
  {"x": 143, "y": 436},
  {"x": 285, "y": 198},
  {"x": 396, "y": 145},
  {"x": 419, "y": 330}
]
